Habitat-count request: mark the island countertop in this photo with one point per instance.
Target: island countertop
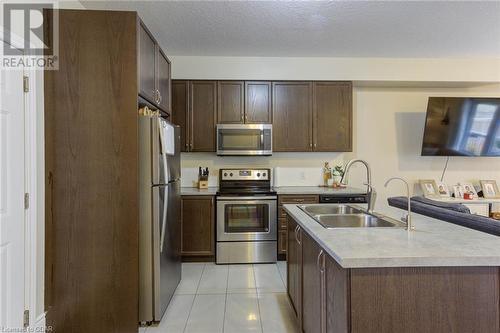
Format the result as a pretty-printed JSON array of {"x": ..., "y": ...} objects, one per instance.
[{"x": 433, "y": 243}]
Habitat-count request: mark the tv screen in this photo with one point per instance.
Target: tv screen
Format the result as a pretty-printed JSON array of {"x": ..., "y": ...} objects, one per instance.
[{"x": 457, "y": 126}]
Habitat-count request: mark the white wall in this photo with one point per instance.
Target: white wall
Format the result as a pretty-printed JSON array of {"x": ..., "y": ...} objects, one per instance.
[
  {"x": 388, "y": 133},
  {"x": 351, "y": 69},
  {"x": 388, "y": 115}
]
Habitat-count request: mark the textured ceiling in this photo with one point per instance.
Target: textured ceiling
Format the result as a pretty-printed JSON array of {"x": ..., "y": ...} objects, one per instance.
[{"x": 420, "y": 29}]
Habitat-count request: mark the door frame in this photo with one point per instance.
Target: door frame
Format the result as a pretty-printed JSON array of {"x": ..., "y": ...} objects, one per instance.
[{"x": 34, "y": 236}]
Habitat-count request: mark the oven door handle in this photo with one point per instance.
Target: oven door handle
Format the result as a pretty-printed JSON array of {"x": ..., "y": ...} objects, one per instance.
[{"x": 247, "y": 198}]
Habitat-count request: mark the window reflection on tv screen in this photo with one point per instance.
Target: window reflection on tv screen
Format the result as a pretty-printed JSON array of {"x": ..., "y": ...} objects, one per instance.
[{"x": 462, "y": 127}]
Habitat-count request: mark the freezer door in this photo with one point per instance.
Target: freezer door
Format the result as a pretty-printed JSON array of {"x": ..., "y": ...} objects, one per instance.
[
  {"x": 170, "y": 137},
  {"x": 166, "y": 247}
]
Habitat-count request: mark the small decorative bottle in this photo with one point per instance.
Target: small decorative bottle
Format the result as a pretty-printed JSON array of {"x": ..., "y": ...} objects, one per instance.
[{"x": 327, "y": 173}]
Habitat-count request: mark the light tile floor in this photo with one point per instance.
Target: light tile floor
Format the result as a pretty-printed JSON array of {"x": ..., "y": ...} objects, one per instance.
[{"x": 229, "y": 298}]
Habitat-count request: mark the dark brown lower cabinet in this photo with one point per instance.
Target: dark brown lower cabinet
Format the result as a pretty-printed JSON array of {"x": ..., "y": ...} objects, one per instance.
[
  {"x": 329, "y": 298},
  {"x": 312, "y": 283},
  {"x": 425, "y": 299},
  {"x": 282, "y": 224},
  {"x": 294, "y": 266},
  {"x": 198, "y": 227},
  {"x": 336, "y": 296}
]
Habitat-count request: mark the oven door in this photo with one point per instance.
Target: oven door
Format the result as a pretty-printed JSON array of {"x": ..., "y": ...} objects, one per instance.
[
  {"x": 238, "y": 139},
  {"x": 246, "y": 219}
]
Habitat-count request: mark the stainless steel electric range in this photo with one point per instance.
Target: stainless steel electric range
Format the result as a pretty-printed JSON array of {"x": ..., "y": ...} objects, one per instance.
[{"x": 246, "y": 217}]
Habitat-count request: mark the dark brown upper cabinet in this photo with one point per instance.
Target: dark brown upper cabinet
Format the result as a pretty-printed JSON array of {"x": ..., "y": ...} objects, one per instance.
[
  {"x": 332, "y": 116},
  {"x": 154, "y": 72},
  {"x": 180, "y": 110},
  {"x": 194, "y": 109},
  {"x": 202, "y": 115},
  {"x": 258, "y": 102},
  {"x": 306, "y": 115},
  {"x": 292, "y": 116},
  {"x": 230, "y": 102},
  {"x": 147, "y": 65},
  {"x": 164, "y": 81},
  {"x": 242, "y": 102}
]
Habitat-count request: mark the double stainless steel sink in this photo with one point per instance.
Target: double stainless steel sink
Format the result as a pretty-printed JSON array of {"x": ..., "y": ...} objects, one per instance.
[{"x": 344, "y": 216}]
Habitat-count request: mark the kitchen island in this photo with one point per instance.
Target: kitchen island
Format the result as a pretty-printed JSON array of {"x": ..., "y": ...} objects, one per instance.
[{"x": 439, "y": 278}]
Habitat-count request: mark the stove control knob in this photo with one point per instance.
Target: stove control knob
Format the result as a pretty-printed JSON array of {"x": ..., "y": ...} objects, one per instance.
[
  {"x": 258, "y": 174},
  {"x": 225, "y": 174},
  {"x": 231, "y": 174},
  {"x": 264, "y": 174}
]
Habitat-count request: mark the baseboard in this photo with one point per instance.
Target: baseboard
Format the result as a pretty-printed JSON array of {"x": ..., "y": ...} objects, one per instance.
[{"x": 198, "y": 258}]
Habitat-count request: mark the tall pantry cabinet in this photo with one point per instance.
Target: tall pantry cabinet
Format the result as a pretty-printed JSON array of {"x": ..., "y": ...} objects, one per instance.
[{"x": 109, "y": 64}]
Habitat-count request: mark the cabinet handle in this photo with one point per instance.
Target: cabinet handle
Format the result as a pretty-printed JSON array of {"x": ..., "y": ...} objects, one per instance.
[
  {"x": 318, "y": 261},
  {"x": 297, "y": 229},
  {"x": 315, "y": 145},
  {"x": 310, "y": 144},
  {"x": 159, "y": 97}
]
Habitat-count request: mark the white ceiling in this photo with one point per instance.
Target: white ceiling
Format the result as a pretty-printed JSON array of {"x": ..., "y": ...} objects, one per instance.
[{"x": 416, "y": 29}]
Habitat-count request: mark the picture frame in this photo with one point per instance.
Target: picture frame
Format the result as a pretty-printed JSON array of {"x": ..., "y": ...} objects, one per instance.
[
  {"x": 490, "y": 189},
  {"x": 469, "y": 188},
  {"x": 429, "y": 188},
  {"x": 443, "y": 189},
  {"x": 458, "y": 191}
]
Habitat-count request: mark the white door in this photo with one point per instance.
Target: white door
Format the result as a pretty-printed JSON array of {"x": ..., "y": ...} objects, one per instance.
[{"x": 12, "y": 189}]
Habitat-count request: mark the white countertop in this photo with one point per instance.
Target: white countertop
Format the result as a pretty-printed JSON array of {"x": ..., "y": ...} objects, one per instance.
[
  {"x": 197, "y": 191},
  {"x": 282, "y": 190},
  {"x": 433, "y": 243}
]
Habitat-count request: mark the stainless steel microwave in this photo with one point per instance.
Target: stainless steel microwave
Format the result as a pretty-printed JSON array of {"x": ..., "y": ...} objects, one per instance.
[{"x": 244, "y": 139}]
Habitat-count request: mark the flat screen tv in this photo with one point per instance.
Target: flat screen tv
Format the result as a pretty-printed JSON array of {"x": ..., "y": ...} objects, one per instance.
[{"x": 457, "y": 126}]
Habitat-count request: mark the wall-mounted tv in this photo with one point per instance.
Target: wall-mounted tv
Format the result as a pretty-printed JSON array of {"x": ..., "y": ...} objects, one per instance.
[{"x": 457, "y": 126}]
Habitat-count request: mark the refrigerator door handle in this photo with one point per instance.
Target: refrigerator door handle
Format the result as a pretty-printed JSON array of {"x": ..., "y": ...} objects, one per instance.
[
  {"x": 164, "y": 219},
  {"x": 163, "y": 151}
]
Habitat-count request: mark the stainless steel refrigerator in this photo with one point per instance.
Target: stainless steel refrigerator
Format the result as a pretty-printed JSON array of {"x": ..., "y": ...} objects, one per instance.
[{"x": 159, "y": 226}]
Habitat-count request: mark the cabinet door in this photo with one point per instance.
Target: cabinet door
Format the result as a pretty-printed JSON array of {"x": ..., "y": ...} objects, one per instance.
[
  {"x": 311, "y": 284},
  {"x": 258, "y": 102},
  {"x": 292, "y": 116},
  {"x": 332, "y": 116},
  {"x": 163, "y": 82},
  {"x": 294, "y": 267},
  {"x": 202, "y": 105},
  {"x": 198, "y": 235},
  {"x": 147, "y": 70},
  {"x": 180, "y": 110},
  {"x": 336, "y": 297},
  {"x": 230, "y": 102}
]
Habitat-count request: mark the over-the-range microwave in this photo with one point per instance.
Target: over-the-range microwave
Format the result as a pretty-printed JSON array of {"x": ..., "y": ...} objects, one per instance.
[{"x": 245, "y": 139}]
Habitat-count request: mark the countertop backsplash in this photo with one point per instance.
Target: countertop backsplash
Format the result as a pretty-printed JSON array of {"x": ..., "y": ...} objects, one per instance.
[
  {"x": 189, "y": 177},
  {"x": 280, "y": 176},
  {"x": 289, "y": 176}
]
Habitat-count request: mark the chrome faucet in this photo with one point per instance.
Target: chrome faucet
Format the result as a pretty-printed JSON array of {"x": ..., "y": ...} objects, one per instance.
[
  {"x": 370, "y": 191},
  {"x": 407, "y": 218}
]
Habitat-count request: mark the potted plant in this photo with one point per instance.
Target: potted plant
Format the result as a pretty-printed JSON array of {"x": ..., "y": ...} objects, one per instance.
[{"x": 338, "y": 173}]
